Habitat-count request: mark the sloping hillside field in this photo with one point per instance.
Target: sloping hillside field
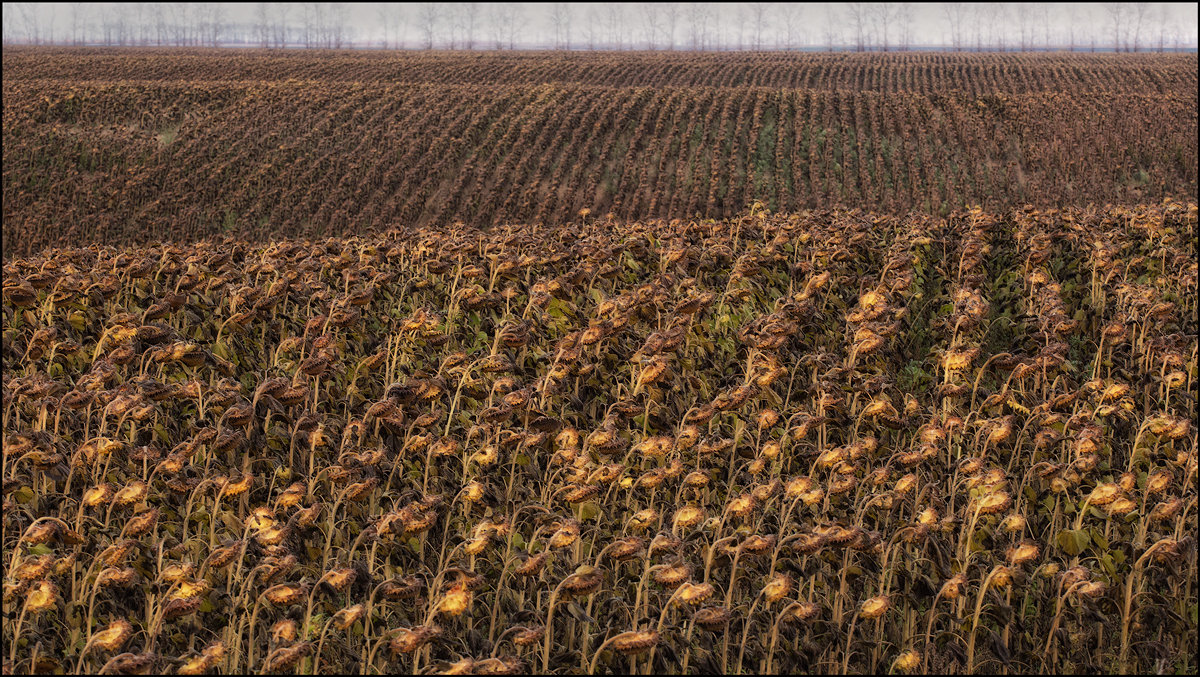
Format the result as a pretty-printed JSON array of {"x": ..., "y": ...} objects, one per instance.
[
  {"x": 827, "y": 442},
  {"x": 138, "y": 146}
]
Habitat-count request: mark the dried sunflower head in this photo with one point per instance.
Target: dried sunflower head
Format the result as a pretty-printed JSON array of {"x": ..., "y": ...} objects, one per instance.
[
  {"x": 134, "y": 492},
  {"x": 1122, "y": 505},
  {"x": 688, "y": 516},
  {"x": 801, "y": 611},
  {"x": 1104, "y": 494},
  {"x": 526, "y": 636},
  {"x": 114, "y": 636},
  {"x": 993, "y": 502},
  {"x": 188, "y": 589},
  {"x": 643, "y": 518},
  {"x": 694, "y": 593},
  {"x": 1013, "y": 523},
  {"x": 909, "y": 661},
  {"x": 131, "y": 664},
  {"x": 178, "y": 608},
  {"x": 952, "y": 588},
  {"x": 796, "y": 487},
  {"x": 565, "y": 536},
  {"x": 584, "y": 581},
  {"x": 874, "y": 607},
  {"x": 672, "y": 576},
  {"x": 284, "y": 658},
  {"x": 1002, "y": 576},
  {"x": 226, "y": 554},
  {"x": 634, "y": 642},
  {"x": 34, "y": 568},
  {"x": 284, "y": 594},
  {"x": 741, "y": 505},
  {"x": 117, "y": 577},
  {"x": 777, "y": 588},
  {"x": 344, "y": 618},
  {"x": 284, "y": 632},
  {"x": 456, "y": 601},
  {"x": 408, "y": 640},
  {"x": 197, "y": 665},
  {"x": 1026, "y": 551},
  {"x": 98, "y": 495},
  {"x": 664, "y": 542},
  {"x": 712, "y": 618}
]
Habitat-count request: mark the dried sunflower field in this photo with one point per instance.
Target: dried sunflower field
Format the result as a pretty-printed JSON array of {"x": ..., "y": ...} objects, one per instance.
[{"x": 826, "y": 441}]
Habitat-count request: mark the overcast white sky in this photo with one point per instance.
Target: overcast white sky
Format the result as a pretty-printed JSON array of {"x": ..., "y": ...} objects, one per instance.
[{"x": 624, "y": 25}]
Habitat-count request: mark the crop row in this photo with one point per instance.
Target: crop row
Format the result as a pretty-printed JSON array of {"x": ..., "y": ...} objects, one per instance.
[
  {"x": 131, "y": 162},
  {"x": 918, "y": 72},
  {"x": 826, "y": 442}
]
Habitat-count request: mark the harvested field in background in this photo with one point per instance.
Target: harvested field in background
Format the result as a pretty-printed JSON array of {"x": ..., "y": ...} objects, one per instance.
[{"x": 127, "y": 146}]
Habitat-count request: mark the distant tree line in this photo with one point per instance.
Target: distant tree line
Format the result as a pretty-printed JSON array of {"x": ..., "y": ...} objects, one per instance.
[{"x": 858, "y": 26}]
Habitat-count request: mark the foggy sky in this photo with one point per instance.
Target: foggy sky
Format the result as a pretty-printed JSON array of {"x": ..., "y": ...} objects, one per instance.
[{"x": 623, "y": 25}]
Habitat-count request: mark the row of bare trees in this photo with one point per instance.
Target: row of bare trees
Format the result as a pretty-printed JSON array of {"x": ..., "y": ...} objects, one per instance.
[
  {"x": 859, "y": 26},
  {"x": 180, "y": 24}
]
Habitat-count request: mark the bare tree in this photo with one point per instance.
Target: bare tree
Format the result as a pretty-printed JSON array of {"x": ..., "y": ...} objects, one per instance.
[
  {"x": 120, "y": 32},
  {"x": 790, "y": 20},
  {"x": 158, "y": 19},
  {"x": 308, "y": 28},
  {"x": 1072, "y": 22},
  {"x": 740, "y": 19},
  {"x": 591, "y": 27},
  {"x": 1116, "y": 15},
  {"x": 280, "y": 28},
  {"x": 505, "y": 18},
  {"x": 831, "y": 28},
  {"x": 471, "y": 22},
  {"x": 956, "y": 15},
  {"x": 428, "y": 17},
  {"x": 670, "y": 14},
  {"x": 560, "y": 23},
  {"x": 856, "y": 14},
  {"x": 138, "y": 33},
  {"x": 904, "y": 19},
  {"x": 333, "y": 32},
  {"x": 884, "y": 14},
  {"x": 391, "y": 19},
  {"x": 1141, "y": 11},
  {"x": 30, "y": 21},
  {"x": 456, "y": 25},
  {"x": 1163, "y": 16},
  {"x": 717, "y": 38},
  {"x": 651, "y": 24},
  {"x": 1024, "y": 25},
  {"x": 995, "y": 16},
  {"x": 214, "y": 22},
  {"x": 178, "y": 26},
  {"x": 262, "y": 24},
  {"x": 77, "y": 20},
  {"x": 516, "y": 17},
  {"x": 1045, "y": 9},
  {"x": 321, "y": 30},
  {"x": 696, "y": 17},
  {"x": 464, "y": 17},
  {"x": 614, "y": 26},
  {"x": 495, "y": 24},
  {"x": 978, "y": 13},
  {"x": 382, "y": 11},
  {"x": 8, "y": 30},
  {"x": 758, "y": 21}
]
